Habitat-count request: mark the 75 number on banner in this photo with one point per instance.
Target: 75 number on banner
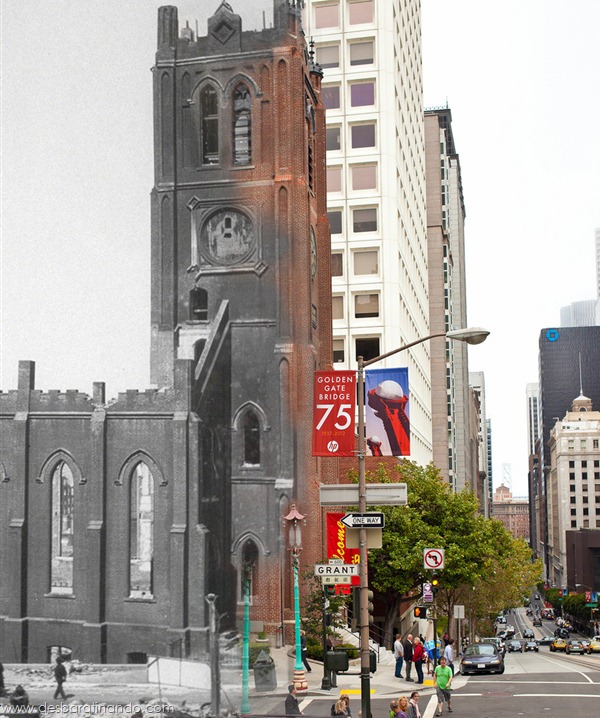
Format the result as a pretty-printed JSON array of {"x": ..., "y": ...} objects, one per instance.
[{"x": 334, "y": 407}]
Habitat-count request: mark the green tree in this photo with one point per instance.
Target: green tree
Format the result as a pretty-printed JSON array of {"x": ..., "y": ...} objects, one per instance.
[
  {"x": 476, "y": 549},
  {"x": 312, "y": 612},
  {"x": 574, "y": 605}
]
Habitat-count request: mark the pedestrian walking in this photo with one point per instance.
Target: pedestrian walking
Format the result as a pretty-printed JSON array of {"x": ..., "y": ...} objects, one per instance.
[
  {"x": 398, "y": 655},
  {"x": 60, "y": 675},
  {"x": 413, "y": 705},
  {"x": 449, "y": 653},
  {"x": 342, "y": 706},
  {"x": 442, "y": 680},
  {"x": 408, "y": 655},
  {"x": 402, "y": 707},
  {"x": 304, "y": 650},
  {"x": 418, "y": 657},
  {"x": 292, "y": 707}
]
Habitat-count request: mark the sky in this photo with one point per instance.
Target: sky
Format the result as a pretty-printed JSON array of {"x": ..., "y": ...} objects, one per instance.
[{"x": 521, "y": 78}]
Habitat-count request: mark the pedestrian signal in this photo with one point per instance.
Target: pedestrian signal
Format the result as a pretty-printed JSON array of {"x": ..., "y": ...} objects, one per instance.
[
  {"x": 419, "y": 611},
  {"x": 370, "y": 606}
]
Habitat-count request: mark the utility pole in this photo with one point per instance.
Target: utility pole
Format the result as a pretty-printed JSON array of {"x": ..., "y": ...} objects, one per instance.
[{"x": 215, "y": 668}]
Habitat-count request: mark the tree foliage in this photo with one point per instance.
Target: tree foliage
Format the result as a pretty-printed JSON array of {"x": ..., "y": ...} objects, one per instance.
[{"x": 486, "y": 568}]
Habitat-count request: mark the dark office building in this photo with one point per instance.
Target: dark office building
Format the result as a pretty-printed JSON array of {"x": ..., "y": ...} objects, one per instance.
[{"x": 560, "y": 380}]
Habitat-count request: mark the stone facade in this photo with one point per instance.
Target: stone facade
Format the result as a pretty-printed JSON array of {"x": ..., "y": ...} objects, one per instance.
[{"x": 118, "y": 518}]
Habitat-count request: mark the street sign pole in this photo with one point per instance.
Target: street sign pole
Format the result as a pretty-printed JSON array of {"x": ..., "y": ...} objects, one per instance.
[{"x": 365, "y": 669}]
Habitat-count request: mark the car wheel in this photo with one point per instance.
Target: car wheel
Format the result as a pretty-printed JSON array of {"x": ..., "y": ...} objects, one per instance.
[{"x": 501, "y": 670}]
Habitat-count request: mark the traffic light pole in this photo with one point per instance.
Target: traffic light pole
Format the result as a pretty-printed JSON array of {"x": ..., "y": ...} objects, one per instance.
[
  {"x": 326, "y": 682},
  {"x": 365, "y": 672},
  {"x": 471, "y": 336}
]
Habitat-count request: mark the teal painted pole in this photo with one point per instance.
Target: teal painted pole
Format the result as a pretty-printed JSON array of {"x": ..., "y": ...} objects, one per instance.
[
  {"x": 299, "y": 665},
  {"x": 245, "y": 705}
]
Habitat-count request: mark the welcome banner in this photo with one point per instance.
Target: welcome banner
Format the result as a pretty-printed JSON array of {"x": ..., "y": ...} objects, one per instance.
[{"x": 336, "y": 543}]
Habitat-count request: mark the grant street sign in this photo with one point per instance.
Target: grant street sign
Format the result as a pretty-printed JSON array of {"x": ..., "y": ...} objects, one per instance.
[
  {"x": 336, "y": 569},
  {"x": 371, "y": 520}
]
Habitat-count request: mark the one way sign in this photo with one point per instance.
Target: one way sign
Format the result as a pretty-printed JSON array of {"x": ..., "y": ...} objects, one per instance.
[{"x": 371, "y": 520}]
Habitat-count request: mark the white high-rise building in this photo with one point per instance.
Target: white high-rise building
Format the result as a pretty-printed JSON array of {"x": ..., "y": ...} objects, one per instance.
[
  {"x": 573, "y": 490},
  {"x": 532, "y": 391},
  {"x": 484, "y": 450},
  {"x": 370, "y": 51}
]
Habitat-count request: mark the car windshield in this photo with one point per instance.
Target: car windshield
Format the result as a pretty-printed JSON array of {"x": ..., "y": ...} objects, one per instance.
[{"x": 481, "y": 649}]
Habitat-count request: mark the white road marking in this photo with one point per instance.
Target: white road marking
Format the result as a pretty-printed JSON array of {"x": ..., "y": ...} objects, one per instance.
[{"x": 569, "y": 667}]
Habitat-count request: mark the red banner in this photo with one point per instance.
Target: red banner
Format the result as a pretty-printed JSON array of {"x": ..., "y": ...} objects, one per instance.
[
  {"x": 336, "y": 543},
  {"x": 334, "y": 409}
]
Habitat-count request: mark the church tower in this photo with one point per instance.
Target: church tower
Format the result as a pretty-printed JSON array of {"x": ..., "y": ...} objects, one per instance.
[
  {"x": 156, "y": 499},
  {"x": 241, "y": 303}
]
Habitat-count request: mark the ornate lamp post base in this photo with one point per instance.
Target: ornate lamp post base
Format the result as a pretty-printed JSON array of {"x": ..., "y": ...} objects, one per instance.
[{"x": 299, "y": 680}]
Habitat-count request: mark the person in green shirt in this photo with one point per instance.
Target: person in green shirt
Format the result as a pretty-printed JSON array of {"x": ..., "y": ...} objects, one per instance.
[{"x": 442, "y": 680}]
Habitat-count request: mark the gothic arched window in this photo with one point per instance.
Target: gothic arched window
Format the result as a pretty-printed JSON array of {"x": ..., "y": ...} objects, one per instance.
[
  {"x": 251, "y": 439},
  {"x": 198, "y": 304},
  {"x": 248, "y": 583},
  {"x": 61, "y": 563},
  {"x": 141, "y": 531},
  {"x": 242, "y": 126},
  {"x": 209, "y": 114}
]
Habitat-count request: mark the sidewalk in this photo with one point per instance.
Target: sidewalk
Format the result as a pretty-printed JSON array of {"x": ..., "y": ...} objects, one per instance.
[{"x": 383, "y": 682}]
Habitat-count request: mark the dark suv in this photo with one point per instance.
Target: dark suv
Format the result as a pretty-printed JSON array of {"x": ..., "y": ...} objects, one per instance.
[{"x": 561, "y": 632}]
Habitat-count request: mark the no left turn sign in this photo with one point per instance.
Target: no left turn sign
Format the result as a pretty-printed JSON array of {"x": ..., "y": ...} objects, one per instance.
[{"x": 433, "y": 558}]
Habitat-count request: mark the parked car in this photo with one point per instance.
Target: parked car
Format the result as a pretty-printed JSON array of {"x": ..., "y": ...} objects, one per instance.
[
  {"x": 537, "y": 621},
  {"x": 561, "y": 633},
  {"x": 481, "y": 658},
  {"x": 514, "y": 646},
  {"x": 575, "y": 646},
  {"x": 501, "y": 635},
  {"x": 537, "y": 596},
  {"x": 594, "y": 646},
  {"x": 528, "y": 633},
  {"x": 558, "y": 644},
  {"x": 531, "y": 646}
]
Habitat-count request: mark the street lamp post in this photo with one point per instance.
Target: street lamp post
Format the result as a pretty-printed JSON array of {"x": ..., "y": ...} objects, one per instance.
[
  {"x": 471, "y": 336},
  {"x": 245, "y": 707},
  {"x": 295, "y": 519}
]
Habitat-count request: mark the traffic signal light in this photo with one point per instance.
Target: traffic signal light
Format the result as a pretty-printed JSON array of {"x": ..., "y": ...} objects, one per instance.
[
  {"x": 370, "y": 606},
  {"x": 355, "y": 621},
  {"x": 419, "y": 611},
  {"x": 435, "y": 582},
  {"x": 329, "y": 589}
]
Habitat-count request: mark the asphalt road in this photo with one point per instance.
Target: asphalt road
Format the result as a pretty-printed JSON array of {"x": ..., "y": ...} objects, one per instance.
[{"x": 534, "y": 684}]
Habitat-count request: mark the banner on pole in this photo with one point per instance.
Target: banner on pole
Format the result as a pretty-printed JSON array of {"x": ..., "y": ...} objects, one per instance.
[
  {"x": 336, "y": 543},
  {"x": 334, "y": 409},
  {"x": 387, "y": 415}
]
